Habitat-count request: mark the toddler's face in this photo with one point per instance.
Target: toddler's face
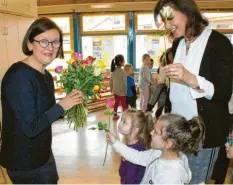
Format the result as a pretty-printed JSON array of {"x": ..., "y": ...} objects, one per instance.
[
  {"x": 229, "y": 146},
  {"x": 157, "y": 141},
  {"x": 130, "y": 71},
  {"x": 146, "y": 61},
  {"x": 125, "y": 125}
]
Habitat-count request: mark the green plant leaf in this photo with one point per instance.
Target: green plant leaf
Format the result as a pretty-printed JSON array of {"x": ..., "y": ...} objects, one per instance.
[
  {"x": 105, "y": 126},
  {"x": 100, "y": 125}
]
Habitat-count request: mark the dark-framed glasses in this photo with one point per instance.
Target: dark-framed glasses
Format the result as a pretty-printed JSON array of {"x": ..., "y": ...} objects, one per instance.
[
  {"x": 230, "y": 141},
  {"x": 44, "y": 43}
]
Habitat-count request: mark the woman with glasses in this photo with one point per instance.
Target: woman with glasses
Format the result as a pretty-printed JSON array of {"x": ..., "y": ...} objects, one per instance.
[{"x": 29, "y": 107}]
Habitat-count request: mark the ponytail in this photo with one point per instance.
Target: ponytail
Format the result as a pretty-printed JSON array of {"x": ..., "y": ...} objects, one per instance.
[
  {"x": 187, "y": 136},
  {"x": 113, "y": 67},
  {"x": 116, "y": 62},
  {"x": 197, "y": 129},
  {"x": 148, "y": 127}
]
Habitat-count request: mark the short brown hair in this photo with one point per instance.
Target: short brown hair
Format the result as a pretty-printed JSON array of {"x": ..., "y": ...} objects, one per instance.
[
  {"x": 145, "y": 56},
  {"x": 37, "y": 27},
  {"x": 196, "y": 22}
]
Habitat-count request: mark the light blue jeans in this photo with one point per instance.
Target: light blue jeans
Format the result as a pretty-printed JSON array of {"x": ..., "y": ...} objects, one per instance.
[{"x": 202, "y": 165}]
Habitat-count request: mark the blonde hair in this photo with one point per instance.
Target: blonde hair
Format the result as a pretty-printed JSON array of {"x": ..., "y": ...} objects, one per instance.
[
  {"x": 144, "y": 122},
  {"x": 127, "y": 67}
]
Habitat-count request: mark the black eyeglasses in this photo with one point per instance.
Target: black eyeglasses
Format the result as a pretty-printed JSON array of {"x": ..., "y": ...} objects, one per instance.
[
  {"x": 230, "y": 141},
  {"x": 44, "y": 43}
]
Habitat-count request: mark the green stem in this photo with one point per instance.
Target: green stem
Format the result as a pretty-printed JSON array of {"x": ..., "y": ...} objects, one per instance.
[
  {"x": 165, "y": 55},
  {"x": 86, "y": 82},
  {"x": 106, "y": 150}
]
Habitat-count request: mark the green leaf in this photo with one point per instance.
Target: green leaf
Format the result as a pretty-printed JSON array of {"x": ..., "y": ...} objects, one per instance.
[
  {"x": 100, "y": 125},
  {"x": 70, "y": 68},
  {"x": 105, "y": 126}
]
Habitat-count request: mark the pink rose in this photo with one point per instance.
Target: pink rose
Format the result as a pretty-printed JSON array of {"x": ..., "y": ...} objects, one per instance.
[
  {"x": 78, "y": 56},
  {"x": 58, "y": 69},
  {"x": 110, "y": 103}
]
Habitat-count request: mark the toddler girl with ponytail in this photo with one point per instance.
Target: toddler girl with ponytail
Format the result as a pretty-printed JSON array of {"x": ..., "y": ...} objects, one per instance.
[{"x": 166, "y": 163}]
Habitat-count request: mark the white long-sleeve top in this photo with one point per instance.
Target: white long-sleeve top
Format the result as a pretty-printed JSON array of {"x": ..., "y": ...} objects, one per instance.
[
  {"x": 158, "y": 171},
  {"x": 182, "y": 95}
]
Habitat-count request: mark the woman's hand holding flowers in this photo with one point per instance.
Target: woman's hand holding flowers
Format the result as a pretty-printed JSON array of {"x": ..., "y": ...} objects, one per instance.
[{"x": 74, "y": 98}]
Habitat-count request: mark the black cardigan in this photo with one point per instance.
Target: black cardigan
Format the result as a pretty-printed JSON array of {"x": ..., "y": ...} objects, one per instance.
[
  {"x": 29, "y": 109},
  {"x": 216, "y": 67}
]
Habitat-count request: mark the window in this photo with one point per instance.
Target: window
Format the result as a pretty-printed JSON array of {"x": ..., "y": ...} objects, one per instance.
[
  {"x": 104, "y": 36},
  {"x": 103, "y": 23},
  {"x": 146, "y": 22},
  {"x": 65, "y": 24},
  {"x": 153, "y": 45},
  {"x": 148, "y": 40},
  {"x": 230, "y": 37},
  {"x": 220, "y": 20},
  {"x": 105, "y": 47}
]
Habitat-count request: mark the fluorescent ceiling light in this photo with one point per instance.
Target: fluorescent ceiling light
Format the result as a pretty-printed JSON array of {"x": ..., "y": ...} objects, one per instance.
[{"x": 101, "y": 6}]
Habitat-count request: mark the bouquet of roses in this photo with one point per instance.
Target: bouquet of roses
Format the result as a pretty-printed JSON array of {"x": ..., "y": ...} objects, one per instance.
[{"x": 85, "y": 75}]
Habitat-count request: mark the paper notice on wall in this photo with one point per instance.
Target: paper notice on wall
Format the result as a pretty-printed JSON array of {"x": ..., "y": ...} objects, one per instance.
[
  {"x": 108, "y": 53},
  {"x": 153, "y": 45},
  {"x": 97, "y": 48}
]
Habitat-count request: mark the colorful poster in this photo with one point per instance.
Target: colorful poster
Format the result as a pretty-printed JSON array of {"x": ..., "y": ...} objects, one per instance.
[{"x": 97, "y": 48}]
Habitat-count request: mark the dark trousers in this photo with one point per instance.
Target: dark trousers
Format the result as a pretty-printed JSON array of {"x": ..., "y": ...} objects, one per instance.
[
  {"x": 222, "y": 163},
  {"x": 220, "y": 166},
  {"x": 46, "y": 174},
  {"x": 159, "y": 96},
  {"x": 131, "y": 101}
]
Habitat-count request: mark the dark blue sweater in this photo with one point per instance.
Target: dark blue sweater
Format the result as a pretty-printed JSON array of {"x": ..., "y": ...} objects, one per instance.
[{"x": 28, "y": 110}]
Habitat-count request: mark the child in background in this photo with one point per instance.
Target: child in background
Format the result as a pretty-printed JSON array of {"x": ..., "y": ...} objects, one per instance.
[
  {"x": 118, "y": 83},
  {"x": 144, "y": 82},
  {"x": 135, "y": 126},
  {"x": 161, "y": 92},
  {"x": 153, "y": 84},
  {"x": 131, "y": 89},
  {"x": 172, "y": 136}
]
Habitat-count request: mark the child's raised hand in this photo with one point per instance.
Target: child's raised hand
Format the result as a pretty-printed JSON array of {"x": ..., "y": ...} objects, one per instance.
[{"x": 110, "y": 138}]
